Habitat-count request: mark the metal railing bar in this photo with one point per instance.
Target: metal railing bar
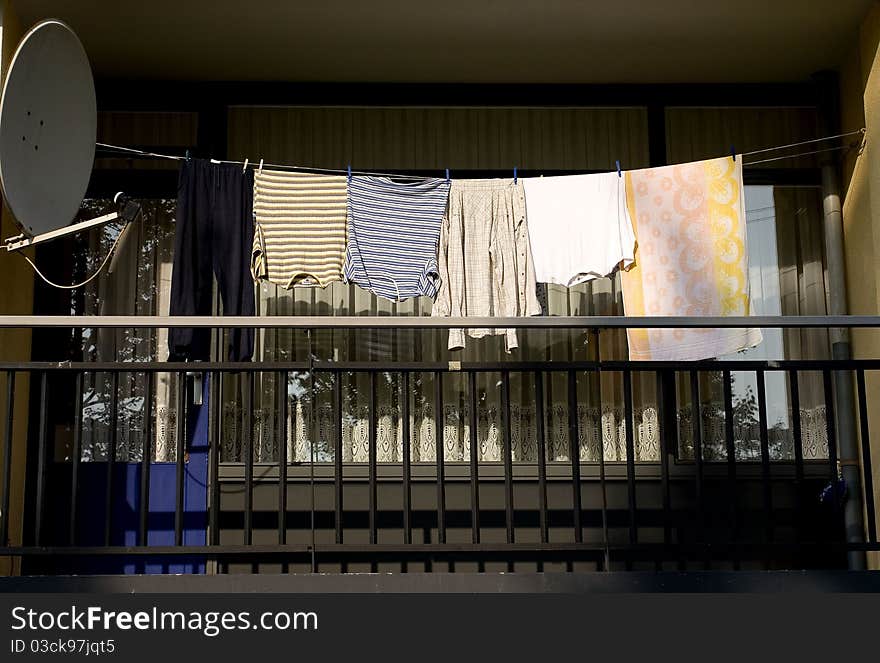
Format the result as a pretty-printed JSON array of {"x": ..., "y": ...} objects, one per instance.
[
  {"x": 605, "y": 539},
  {"x": 76, "y": 458},
  {"x": 542, "y": 457},
  {"x": 867, "y": 467},
  {"x": 630, "y": 456},
  {"x": 830, "y": 421},
  {"x": 758, "y": 548},
  {"x": 337, "y": 456},
  {"x": 372, "y": 453},
  {"x": 697, "y": 425},
  {"x": 248, "y": 458},
  {"x": 180, "y": 453},
  {"x": 42, "y": 441},
  {"x": 429, "y": 322},
  {"x": 666, "y": 386},
  {"x": 834, "y": 469},
  {"x": 215, "y": 441},
  {"x": 508, "y": 456},
  {"x": 419, "y": 367},
  {"x": 438, "y": 456},
  {"x": 111, "y": 458},
  {"x": 797, "y": 442},
  {"x": 146, "y": 462},
  {"x": 281, "y": 388},
  {"x": 407, "y": 470},
  {"x": 493, "y": 472},
  {"x": 574, "y": 456},
  {"x": 764, "y": 436},
  {"x": 474, "y": 459},
  {"x": 7, "y": 456},
  {"x": 731, "y": 462}
]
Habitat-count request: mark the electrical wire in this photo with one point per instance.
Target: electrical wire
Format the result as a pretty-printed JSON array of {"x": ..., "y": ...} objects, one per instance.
[
  {"x": 278, "y": 166},
  {"x": 88, "y": 280}
]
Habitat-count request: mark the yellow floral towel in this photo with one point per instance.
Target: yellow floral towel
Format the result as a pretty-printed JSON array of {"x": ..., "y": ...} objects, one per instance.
[{"x": 690, "y": 227}]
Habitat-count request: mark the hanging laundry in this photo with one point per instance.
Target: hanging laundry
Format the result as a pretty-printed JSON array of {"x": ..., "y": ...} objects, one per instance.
[
  {"x": 485, "y": 259},
  {"x": 299, "y": 238},
  {"x": 579, "y": 227},
  {"x": 213, "y": 234},
  {"x": 690, "y": 226},
  {"x": 393, "y": 230}
]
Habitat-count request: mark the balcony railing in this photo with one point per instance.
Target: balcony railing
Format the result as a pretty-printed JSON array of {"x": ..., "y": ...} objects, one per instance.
[{"x": 322, "y": 507}]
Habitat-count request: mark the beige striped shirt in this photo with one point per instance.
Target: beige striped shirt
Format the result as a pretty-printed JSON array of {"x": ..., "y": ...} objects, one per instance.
[{"x": 300, "y": 226}]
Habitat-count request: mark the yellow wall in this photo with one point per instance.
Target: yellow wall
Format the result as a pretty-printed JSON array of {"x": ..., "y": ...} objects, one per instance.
[
  {"x": 860, "y": 106},
  {"x": 16, "y": 297}
]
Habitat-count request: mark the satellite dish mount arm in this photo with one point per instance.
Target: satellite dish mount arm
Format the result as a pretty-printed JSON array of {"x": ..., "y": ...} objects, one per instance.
[{"x": 20, "y": 242}]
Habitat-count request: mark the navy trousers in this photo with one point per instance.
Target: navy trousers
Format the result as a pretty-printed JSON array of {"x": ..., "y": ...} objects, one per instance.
[{"x": 213, "y": 238}]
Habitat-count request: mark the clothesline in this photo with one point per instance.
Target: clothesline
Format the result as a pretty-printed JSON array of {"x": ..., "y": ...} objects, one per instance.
[
  {"x": 801, "y": 154},
  {"x": 157, "y": 155},
  {"x": 301, "y": 230}
]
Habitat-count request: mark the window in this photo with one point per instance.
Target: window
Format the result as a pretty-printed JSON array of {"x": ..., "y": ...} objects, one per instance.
[
  {"x": 138, "y": 285},
  {"x": 787, "y": 277}
]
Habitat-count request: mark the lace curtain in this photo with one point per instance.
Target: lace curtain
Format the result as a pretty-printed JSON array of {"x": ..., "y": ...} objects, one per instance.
[{"x": 599, "y": 412}]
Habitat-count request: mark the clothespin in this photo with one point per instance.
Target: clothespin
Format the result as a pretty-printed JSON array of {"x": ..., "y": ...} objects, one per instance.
[
  {"x": 618, "y": 168},
  {"x": 349, "y": 173},
  {"x": 244, "y": 168},
  {"x": 261, "y": 167},
  {"x": 514, "y": 175},
  {"x": 187, "y": 155},
  {"x": 447, "y": 176},
  {"x": 733, "y": 153}
]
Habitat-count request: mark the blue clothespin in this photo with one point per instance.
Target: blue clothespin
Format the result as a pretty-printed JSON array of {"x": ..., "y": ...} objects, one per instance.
[
  {"x": 733, "y": 153},
  {"x": 514, "y": 174},
  {"x": 187, "y": 155},
  {"x": 618, "y": 168},
  {"x": 349, "y": 173},
  {"x": 447, "y": 176}
]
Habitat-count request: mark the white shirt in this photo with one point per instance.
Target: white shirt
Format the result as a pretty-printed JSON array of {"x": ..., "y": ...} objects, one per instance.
[{"x": 579, "y": 226}]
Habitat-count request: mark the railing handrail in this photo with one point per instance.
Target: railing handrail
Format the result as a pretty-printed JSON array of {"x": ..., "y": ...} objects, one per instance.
[
  {"x": 429, "y": 322},
  {"x": 420, "y": 366}
]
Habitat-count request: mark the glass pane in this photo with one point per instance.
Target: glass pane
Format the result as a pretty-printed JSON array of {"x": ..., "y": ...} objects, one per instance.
[{"x": 136, "y": 282}]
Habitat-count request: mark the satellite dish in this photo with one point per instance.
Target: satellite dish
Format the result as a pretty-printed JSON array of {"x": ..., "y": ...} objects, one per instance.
[{"x": 48, "y": 127}]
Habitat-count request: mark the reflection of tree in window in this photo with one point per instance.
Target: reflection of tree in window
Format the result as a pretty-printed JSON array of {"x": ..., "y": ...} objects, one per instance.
[{"x": 139, "y": 285}]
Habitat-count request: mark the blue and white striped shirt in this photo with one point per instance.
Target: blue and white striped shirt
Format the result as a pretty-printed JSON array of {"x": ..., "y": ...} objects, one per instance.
[{"x": 393, "y": 232}]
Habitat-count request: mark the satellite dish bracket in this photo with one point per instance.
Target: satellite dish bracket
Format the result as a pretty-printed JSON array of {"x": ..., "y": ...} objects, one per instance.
[{"x": 20, "y": 242}]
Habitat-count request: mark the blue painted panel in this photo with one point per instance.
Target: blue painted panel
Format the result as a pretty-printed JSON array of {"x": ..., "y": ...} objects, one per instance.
[{"x": 126, "y": 507}]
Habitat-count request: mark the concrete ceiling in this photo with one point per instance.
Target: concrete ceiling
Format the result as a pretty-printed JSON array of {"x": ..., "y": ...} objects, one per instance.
[{"x": 503, "y": 41}]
